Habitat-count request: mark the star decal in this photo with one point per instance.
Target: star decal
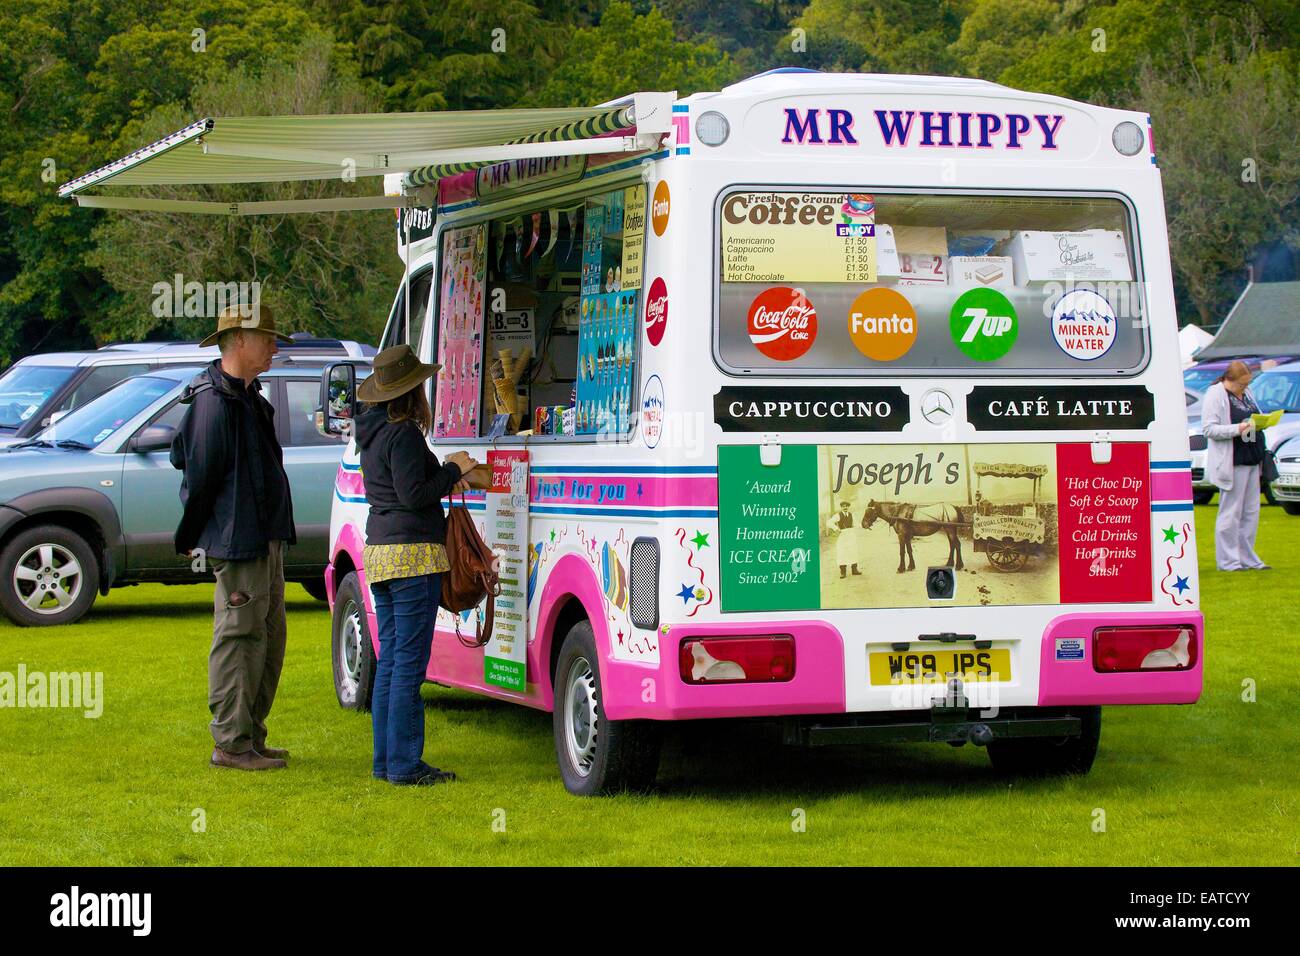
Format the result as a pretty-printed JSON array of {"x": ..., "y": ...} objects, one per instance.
[
  {"x": 1170, "y": 534},
  {"x": 552, "y": 534},
  {"x": 686, "y": 593},
  {"x": 639, "y": 491},
  {"x": 620, "y": 638},
  {"x": 1181, "y": 585},
  {"x": 701, "y": 540}
]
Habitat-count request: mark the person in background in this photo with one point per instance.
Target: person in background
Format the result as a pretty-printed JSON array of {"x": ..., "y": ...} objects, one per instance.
[
  {"x": 237, "y": 512},
  {"x": 1232, "y": 463},
  {"x": 404, "y": 555}
]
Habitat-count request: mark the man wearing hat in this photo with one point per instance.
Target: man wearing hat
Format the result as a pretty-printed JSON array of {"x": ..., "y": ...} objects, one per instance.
[{"x": 238, "y": 515}]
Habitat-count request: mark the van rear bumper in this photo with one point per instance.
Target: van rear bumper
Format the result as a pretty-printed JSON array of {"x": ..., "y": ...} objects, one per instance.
[{"x": 636, "y": 690}]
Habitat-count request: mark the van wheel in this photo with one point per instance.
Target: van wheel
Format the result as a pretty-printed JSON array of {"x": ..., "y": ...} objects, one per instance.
[
  {"x": 316, "y": 588},
  {"x": 1051, "y": 756},
  {"x": 48, "y": 575},
  {"x": 596, "y": 755},
  {"x": 351, "y": 647}
]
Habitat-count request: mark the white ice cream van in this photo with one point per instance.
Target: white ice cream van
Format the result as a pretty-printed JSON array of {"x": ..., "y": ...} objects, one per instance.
[{"x": 851, "y": 402}]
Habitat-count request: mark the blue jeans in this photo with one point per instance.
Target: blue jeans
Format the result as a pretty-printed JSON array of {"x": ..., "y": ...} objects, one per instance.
[{"x": 407, "y": 609}]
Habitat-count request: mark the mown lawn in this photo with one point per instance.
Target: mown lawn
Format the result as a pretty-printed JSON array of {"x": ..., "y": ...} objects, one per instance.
[{"x": 1215, "y": 783}]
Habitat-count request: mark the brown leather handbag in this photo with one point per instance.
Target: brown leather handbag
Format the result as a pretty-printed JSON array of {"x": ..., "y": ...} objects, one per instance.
[{"x": 471, "y": 577}]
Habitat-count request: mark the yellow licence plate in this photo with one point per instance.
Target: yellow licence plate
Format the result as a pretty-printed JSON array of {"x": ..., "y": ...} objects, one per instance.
[{"x": 935, "y": 667}]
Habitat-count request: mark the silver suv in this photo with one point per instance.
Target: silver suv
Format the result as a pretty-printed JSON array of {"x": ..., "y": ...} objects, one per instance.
[{"x": 38, "y": 390}]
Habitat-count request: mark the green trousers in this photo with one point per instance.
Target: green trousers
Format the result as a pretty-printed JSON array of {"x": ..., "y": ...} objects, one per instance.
[{"x": 248, "y": 637}]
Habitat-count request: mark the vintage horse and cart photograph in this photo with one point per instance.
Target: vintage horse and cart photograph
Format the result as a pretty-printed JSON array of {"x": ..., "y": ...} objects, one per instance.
[{"x": 938, "y": 511}]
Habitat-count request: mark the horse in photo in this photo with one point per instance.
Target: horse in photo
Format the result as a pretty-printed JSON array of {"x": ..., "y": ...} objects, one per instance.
[{"x": 917, "y": 521}]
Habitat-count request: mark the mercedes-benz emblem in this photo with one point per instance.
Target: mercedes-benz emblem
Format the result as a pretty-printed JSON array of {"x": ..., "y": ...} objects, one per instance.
[{"x": 936, "y": 407}]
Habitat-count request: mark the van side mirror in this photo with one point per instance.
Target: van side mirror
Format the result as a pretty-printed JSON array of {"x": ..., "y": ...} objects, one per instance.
[
  {"x": 338, "y": 399},
  {"x": 153, "y": 438}
]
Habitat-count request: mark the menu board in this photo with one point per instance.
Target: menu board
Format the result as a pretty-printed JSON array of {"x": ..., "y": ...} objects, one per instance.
[
  {"x": 460, "y": 338},
  {"x": 798, "y": 237},
  {"x": 633, "y": 236},
  {"x": 505, "y": 657}
]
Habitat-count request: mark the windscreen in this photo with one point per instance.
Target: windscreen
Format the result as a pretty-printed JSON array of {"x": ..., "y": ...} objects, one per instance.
[
  {"x": 25, "y": 388},
  {"x": 824, "y": 282},
  {"x": 96, "y": 420}
]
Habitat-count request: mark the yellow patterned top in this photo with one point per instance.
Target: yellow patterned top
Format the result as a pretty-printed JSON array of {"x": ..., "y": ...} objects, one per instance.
[{"x": 386, "y": 562}]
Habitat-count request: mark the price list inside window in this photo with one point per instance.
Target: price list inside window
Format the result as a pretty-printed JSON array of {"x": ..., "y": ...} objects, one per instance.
[{"x": 796, "y": 237}]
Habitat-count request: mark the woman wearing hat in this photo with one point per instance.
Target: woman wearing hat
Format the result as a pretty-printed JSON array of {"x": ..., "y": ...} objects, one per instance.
[{"x": 404, "y": 555}]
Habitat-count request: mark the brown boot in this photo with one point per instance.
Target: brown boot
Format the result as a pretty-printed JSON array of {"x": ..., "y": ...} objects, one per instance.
[
  {"x": 248, "y": 760},
  {"x": 275, "y": 753}
]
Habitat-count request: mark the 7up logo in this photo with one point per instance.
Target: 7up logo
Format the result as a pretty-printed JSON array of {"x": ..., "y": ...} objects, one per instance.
[{"x": 984, "y": 324}]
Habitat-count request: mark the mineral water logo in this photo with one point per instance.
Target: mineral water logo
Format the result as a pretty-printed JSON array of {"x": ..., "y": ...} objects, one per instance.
[
  {"x": 782, "y": 323},
  {"x": 1084, "y": 324},
  {"x": 984, "y": 324}
]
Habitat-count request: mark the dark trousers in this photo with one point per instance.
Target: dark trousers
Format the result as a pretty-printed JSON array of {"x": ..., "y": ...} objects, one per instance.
[
  {"x": 406, "y": 609},
  {"x": 248, "y": 638}
]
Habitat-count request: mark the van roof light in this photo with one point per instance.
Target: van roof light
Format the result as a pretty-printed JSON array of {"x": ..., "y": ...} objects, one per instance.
[
  {"x": 1127, "y": 138},
  {"x": 712, "y": 128}
]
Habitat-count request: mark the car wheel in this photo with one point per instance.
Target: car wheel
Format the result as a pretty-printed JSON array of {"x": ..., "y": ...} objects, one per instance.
[
  {"x": 596, "y": 755},
  {"x": 351, "y": 647},
  {"x": 1202, "y": 497},
  {"x": 48, "y": 575},
  {"x": 1291, "y": 507},
  {"x": 1050, "y": 756},
  {"x": 316, "y": 588}
]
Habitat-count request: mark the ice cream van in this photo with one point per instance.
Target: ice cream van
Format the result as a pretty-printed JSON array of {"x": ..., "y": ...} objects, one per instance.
[{"x": 849, "y": 402}]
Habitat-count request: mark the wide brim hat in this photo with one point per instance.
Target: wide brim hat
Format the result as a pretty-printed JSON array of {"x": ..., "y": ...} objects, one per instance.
[
  {"x": 396, "y": 371},
  {"x": 253, "y": 318}
]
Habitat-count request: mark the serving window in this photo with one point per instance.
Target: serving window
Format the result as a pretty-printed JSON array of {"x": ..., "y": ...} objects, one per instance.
[
  {"x": 537, "y": 320},
  {"x": 838, "y": 282}
]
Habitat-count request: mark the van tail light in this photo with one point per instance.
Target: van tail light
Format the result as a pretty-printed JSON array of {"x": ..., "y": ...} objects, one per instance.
[
  {"x": 1170, "y": 648},
  {"x": 736, "y": 660}
]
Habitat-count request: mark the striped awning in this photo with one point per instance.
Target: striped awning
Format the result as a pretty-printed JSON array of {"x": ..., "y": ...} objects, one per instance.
[
  {"x": 254, "y": 149},
  {"x": 610, "y": 121}
]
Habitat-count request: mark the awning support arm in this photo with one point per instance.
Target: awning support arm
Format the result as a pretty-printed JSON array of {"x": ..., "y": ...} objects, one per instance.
[{"x": 341, "y": 204}]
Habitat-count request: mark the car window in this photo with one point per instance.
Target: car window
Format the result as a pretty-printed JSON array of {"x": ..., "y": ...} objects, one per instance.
[
  {"x": 25, "y": 388},
  {"x": 171, "y": 416},
  {"x": 421, "y": 283},
  {"x": 98, "y": 419},
  {"x": 301, "y": 396},
  {"x": 99, "y": 381},
  {"x": 1277, "y": 390}
]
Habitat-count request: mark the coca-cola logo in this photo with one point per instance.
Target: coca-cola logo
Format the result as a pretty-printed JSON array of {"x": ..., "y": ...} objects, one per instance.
[
  {"x": 656, "y": 311},
  {"x": 782, "y": 323}
]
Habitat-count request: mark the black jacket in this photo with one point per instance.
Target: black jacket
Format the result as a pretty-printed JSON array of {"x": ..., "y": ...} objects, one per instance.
[
  {"x": 404, "y": 481},
  {"x": 234, "y": 471}
]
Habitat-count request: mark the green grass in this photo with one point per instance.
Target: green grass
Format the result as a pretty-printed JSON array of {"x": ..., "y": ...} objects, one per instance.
[{"x": 1214, "y": 783}]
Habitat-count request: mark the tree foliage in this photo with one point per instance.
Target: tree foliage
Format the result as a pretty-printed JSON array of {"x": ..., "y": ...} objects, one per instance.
[{"x": 85, "y": 81}]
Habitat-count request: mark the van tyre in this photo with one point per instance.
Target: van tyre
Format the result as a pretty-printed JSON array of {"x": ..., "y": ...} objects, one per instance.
[
  {"x": 597, "y": 755},
  {"x": 351, "y": 648},
  {"x": 1051, "y": 756},
  {"x": 316, "y": 588},
  {"x": 48, "y": 575}
]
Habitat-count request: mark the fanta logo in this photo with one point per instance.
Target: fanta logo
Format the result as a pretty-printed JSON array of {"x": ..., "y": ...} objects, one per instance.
[
  {"x": 782, "y": 323},
  {"x": 882, "y": 324}
]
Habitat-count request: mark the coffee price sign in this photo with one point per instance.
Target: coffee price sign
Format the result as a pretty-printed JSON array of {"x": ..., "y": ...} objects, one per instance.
[{"x": 804, "y": 237}]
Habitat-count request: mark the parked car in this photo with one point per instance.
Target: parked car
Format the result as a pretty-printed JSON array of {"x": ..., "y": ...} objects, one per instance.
[
  {"x": 92, "y": 502},
  {"x": 39, "y": 389},
  {"x": 1277, "y": 388},
  {"x": 1204, "y": 374}
]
